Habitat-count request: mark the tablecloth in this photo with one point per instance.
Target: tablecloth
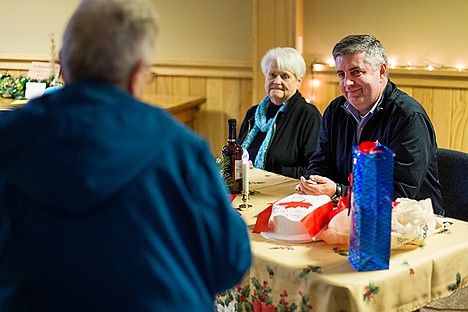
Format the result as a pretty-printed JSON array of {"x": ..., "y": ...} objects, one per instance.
[{"x": 316, "y": 276}]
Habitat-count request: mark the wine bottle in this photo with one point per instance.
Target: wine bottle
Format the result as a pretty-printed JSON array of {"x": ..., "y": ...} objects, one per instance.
[{"x": 232, "y": 154}]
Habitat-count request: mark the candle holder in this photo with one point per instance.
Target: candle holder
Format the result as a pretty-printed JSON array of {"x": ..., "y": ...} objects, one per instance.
[{"x": 245, "y": 206}]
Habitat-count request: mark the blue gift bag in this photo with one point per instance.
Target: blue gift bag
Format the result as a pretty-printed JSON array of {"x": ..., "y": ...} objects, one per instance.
[{"x": 371, "y": 207}]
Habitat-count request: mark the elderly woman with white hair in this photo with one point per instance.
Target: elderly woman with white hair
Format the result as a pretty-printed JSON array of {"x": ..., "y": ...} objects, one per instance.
[{"x": 281, "y": 132}]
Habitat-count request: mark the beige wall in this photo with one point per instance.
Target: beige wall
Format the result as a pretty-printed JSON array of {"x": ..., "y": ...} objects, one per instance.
[
  {"x": 26, "y": 26},
  {"x": 205, "y": 29},
  {"x": 201, "y": 29},
  {"x": 422, "y": 31}
]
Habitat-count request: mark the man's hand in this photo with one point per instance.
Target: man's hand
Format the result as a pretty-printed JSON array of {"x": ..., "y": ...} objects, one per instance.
[{"x": 316, "y": 185}]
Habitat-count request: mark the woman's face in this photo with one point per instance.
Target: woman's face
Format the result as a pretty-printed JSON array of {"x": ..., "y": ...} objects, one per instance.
[{"x": 280, "y": 85}]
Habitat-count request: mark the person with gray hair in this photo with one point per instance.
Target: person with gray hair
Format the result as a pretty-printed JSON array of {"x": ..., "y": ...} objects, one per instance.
[
  {"x": 375, "y": 53},
  {"x": 128, "y": 31},
  {"x": 107, "y": 203},
  {"x": 281, "y": 132},
  {"x": 372, "y": 108}
]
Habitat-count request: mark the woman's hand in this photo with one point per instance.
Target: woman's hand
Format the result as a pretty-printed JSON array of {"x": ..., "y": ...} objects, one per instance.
[{"x": 316, "y": 185}]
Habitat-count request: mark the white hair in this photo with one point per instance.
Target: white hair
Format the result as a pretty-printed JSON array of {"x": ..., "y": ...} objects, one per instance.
[{"x": 287, "y": 59}]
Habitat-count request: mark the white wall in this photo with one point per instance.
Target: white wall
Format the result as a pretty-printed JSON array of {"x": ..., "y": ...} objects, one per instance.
[{"x": 190, "y": 29}]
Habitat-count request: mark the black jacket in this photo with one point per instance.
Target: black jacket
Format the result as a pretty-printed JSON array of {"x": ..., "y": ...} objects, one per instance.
[
  {"x": 401, "y": 124},
  {"x": 294, "y": 139}
]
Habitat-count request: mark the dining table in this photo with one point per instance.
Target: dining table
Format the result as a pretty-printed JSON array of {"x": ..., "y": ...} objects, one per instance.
[
  {"x": 316, "y": 276},
  {"x": 183, "y": 107},
  {"x": 7, "y": 104}
]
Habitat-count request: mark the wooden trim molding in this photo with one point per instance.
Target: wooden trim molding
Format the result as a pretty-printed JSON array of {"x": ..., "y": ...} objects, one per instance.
[
  {"x": 19, "y": 63},
  {"x": 203, "y": 68},
  {"x": 186, "y": 68}
]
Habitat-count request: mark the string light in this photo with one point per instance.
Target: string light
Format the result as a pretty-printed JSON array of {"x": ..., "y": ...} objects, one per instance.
[
  {"x": 317, "y": 66},
  {"x": 392, "y": 64},
  {"x": 314, "y": 83}
]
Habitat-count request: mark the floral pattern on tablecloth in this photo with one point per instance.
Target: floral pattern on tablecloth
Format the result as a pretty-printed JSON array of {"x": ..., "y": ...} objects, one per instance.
[
  {"x": 405, "y": 264},
  {"x": 240, "y": 298},
  {"x": 288, "y": 247},
  {"x": 310, "y": 269},
  {"x": 455, "y": 286},
  {"x": 341, "y": 251},
  {"x": 370, "y": 291}
]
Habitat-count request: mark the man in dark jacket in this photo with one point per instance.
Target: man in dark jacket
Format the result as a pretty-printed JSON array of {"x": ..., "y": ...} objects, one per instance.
[
  {"x": 372, "y": 108},
  {"x": 107, "y": 203}
]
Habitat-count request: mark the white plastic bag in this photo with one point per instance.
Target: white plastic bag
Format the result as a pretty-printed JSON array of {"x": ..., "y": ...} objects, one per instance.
[
  {"x": 337, "y": 231},
  {"x": 412, "y": 222}
]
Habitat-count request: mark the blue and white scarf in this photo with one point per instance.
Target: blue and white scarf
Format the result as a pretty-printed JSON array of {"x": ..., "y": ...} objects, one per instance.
[{"x": 263, "y": 125}]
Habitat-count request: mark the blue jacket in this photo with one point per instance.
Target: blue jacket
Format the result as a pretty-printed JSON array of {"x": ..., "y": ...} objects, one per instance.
[
  {"x": 109, "y": 204},
  {"x": 401, "y": 124}
]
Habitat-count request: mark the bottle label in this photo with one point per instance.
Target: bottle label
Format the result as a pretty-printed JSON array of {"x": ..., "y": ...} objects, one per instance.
[{"x": 237, "y": 169}]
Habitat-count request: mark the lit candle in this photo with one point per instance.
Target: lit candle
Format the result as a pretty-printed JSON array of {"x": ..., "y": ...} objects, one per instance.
[{"x": 245, "y": 171}]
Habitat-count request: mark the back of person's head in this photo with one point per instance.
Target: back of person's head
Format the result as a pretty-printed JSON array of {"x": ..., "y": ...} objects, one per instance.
[
  {"x": 375, "y": 53},
  {"x": 287, "y": 59},
  {"x": 106, "y": 39}
]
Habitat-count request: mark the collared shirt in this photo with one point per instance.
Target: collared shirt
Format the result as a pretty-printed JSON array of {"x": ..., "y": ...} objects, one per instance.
[{"x": 361, "y": 120}]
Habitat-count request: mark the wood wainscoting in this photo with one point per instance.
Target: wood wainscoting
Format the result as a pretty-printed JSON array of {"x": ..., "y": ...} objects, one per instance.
[
  {"x": 443, "y": 93},
  {"x": 227, "y": 88}
]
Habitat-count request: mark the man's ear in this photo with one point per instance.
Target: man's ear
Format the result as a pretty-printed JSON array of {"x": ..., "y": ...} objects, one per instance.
[
  {"x": 383, "y": 70},
  {"x": 136, "y": 80}
]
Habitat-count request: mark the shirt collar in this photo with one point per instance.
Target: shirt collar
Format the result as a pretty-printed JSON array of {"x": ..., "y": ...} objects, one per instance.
[{"x": 355, "y": 113}]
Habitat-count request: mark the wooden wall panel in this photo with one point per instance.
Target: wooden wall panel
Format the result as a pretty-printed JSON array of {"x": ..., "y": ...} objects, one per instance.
[
  {"x": 182, "y": 84},
  {"x": 274, "y": 25},
  {"x": 164, "y": 85},
  {"x": 440, "y": 116},
  {"x": 425, "y": 96},
  {"x": 322, "y": 91},
  {"x": 225, "y": 98},
  {"x": 407, "y": 89},
  {"x": 197, "y": 86},
  {"x": 245, "y": 93},
  {"x": 459, "y": 122},
  {"x": 227, "y": 87}
]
